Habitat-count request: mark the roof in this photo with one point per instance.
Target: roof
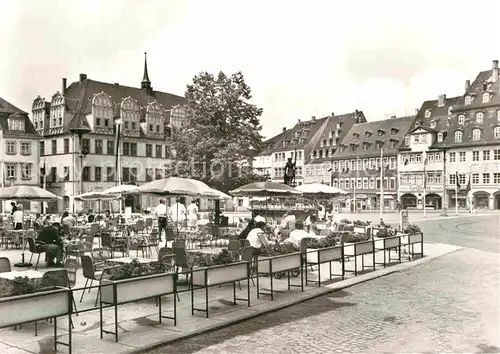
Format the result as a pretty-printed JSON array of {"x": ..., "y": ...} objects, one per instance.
[
  {"x": 363, "y": 139},
  {"x": 8, "y": 110},
  {"x": 270, "y": 144},
  {"x": 346, "y": 121},
  {"x": 79, "y": 95},
  {"x": 438, "y": 116}
]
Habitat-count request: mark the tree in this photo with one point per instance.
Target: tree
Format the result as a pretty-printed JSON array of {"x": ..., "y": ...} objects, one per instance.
[{"x": 221, "y": 134}]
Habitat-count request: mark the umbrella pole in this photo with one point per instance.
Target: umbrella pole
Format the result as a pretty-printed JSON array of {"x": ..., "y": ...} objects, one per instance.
[{"x": 23, "y": 264}]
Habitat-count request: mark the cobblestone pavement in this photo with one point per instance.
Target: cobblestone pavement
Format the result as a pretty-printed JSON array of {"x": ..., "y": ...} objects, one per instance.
[{"x": 450, "y": 304}]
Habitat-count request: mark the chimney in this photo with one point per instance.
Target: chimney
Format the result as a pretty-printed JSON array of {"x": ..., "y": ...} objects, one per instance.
[
  {"x": 467, "y": 85},
  {"x": 416, "y": 111},
  {"x": 117, "y": 84},
  {"x": 313, "y": 118},
  {"x": 393, "y": 117},
  {"x": 64, "y": 84},
  {"x": 441, "y": 100},
  {"x": 333, "y": 114},
  {"x": 83, "y": 77},
  {"x": 494, "y": 72},
  {"x": 299, "y": 120},
  {"x": 284, "y": 129}
]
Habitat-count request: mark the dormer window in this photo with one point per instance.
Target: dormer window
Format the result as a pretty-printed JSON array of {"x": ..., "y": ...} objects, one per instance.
[
  {"x": 450, "y": 110},
  {"x": 486, "y": 97},
  {"x": 479, "y": 117},
  {"x": 297, "y": 134},
  {"x": 355, "y": 136},
  {"x": 57, "y": 111},
  {"x": 498, "y": 116},
  {"x": 130, "y": 113},
  {"x": 433, "y": 124},
  {"x": 394, "y": 131},
  {"x": 428, "y": 113},
  {"x": 392, "y": 143},
  {"x": 381, "y": 132},
  {"x": 476, "y": 134},
  {"x": 368, "y": 134},
  {"x": 407, "y": 140},
  {"x": 458, "y": 136},
  {"x": 440, "y": 137},
  {"x": 16, "y": 125},
  {"x": 339, "y": 124},
  {"x": 154, "y": 116},
  {"x": 461, "y": 119},
  {"x": 468, "y": 100},
  {"x": 378, "y": 145},
  {"x": 365, "y": 146}
]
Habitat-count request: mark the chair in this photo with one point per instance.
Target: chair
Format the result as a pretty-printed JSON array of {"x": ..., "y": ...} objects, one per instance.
[
  {"x": 303, "y": 249},
  {"x": 149, "y": 224},
  {"x": 164, "y": 251},
  {"x": 247, "y": 256},
  {"x": 107, "y": 243},
  {"x": 34, "y": 250},
  {"x": 234, "y": 246},
  {"x": 5, "y": 265},
  {"x": 170, "y": 235},
  {"x": 153, "y": 240},
  {"x": 140, "y": 226},
  {"x": 71, "y": 267},
  {"x": 90, "y": 273},
  {"x": 57, "y": 278}
]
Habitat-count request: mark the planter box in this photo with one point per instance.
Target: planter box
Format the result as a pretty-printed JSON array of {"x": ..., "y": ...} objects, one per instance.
[
  {"x": 407, "y": 239},
  {"x": 135, "y": 289},
  {"x": 387, "y": 242},
  {"x": 220, "y": 274},
  {"x": 360, "y": 229},
  {"x": 322, "y": 255},
  {"x": 358, "y": 248},
  {"x": 33, "y": 307},
  {"x": 280, "y": 263}
]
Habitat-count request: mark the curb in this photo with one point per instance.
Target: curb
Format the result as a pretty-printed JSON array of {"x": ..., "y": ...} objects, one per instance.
[{"x": 327, "y": 289}]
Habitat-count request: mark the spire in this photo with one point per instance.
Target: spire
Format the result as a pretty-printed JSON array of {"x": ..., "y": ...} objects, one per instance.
[{"x": 146, "y": 84}]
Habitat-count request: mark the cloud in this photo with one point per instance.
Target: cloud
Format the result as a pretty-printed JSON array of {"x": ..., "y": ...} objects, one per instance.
[{"x": 300, "y": 58}]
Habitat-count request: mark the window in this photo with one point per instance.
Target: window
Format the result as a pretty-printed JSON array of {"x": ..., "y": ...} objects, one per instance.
[
  {"x": 475, "y": 156},
  {"x": 10, "y": 148},
  {"x": 158, "y": 151},
  {"x": 133, "y": 174},
  {"x": 86, "y": 174},
  {"x": 365, "y": 183},
  {"x": 86, "y": 146},
  {"x": 126, "y": 174},
  {"x": 496, "y": 178},
  {"x": 437, "y": 156},
  {"x": 158, "y": 173},
  {"x": 452, "y": 157},
  {"x": 42, "y": 148},
  {"x": 66, "y": 146},
  {"x": 479, "y": 117},
  {"x": 461, "y": 119},
  {"x": 423, "y": 138},
  {"x": 461, "y": 179},
  {"x": 468, "y": 100},
  {"x": 133, "y": 149},
  {"x": 149, "y": 150},
  {"x": 496, "y": 154},
  {"x": 149, "y": 174},
  {"x": 486, "y": 178},
  {"x": 418, "y": 158},
  {"x": 25, "y": 148},
  {"x": 98, "y": 175},
  {"x": 486, "y": 155},
  {"x": 475, "y": 178},
  {"x": 416, "y": 139},
  {"x": 54, "y": 147},
  {"x": 110, "y": 147},
  {"x": 496, "y": 132},
  {"x": 110, "y": 174},
  {"x": 392, "y": 183},
  {"x": 11, "y": 171},
  {"x": 476, "y": 134},
  {"x": 433, "y": 124},
  {"x": 461, "y": 156},
  {"x": 57, "y": 111},
  {"x": 428, "y": 113},
  {"x": 498, "y": 115},
  {"x": 16, "y": 125},
  {"x": 66, "y": 174},
  {"x": 486, "y": 97},
  {"x": 392, "y": 162},
  {"x": 430, "y": 157},
  {"x": 407, "y": 140},
  {"x": 98, "y": 146},
  {"x": 26, "y": 171},
  {"x": 458, "y": 136},
  {"x": 452, "y": 179}
]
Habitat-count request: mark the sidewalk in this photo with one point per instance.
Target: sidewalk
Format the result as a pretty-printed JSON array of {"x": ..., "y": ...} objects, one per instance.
[{"x": 138, "y": 322}]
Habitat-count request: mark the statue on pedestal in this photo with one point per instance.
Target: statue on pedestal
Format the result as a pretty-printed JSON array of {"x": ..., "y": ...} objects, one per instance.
[{"x": 289, "y": 175}]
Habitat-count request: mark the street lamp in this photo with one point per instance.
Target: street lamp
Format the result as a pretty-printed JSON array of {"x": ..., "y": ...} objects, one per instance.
[{"x": 80, "y": 131}]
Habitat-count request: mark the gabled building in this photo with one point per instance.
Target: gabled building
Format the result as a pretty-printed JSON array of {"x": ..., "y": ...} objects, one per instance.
[
  {"x": 295, "y": 143},
  {"x": 319, "y": 160},
  {"x": 263, "y": 162},
  {"x": 357, "y": 163},
  {"x": 19, "y": 156},
  {"x": 421, "y": 156},
  {"x": 143, "y": 116},
  {"x": 472, "y": 144}
]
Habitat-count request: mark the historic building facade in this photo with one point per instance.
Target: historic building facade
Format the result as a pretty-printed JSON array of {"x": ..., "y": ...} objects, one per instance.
[
  {"x": 319, "y": 161},
  {"x": 140, "y": 115},
  {"x": 19, "y": 155},
  {"x": 473, "y": 143},
  {"x": 421, "y": 162},
  {"x": 365, "y": 164}
]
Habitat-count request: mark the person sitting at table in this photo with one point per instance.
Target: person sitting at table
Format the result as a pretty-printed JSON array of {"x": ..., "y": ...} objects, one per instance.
[
  {"x": 50, "y": 242},
  {"x": 251, "y": 225},
  {"x": 90, "y": 216},
  {"x": 38, "y": 221},
  {"x": 18, "y": 218},
  {"x": 297, "y": 235},
  {"x": 68, "y": 219},
  {"x": 257, "y": 239},
  {"x": 107, "y": 215}
]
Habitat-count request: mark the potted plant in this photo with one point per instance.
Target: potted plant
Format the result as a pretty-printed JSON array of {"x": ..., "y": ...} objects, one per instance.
[
  {"x": 137, "y": 281},
  {"x": 323, "y": 250},
  {"x": 221, "y": 268}
]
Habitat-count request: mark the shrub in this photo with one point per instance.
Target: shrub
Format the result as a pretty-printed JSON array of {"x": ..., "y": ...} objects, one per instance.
[
  {"x": 328, "y": 241},
  {"x": 352, "y": 238},
  {"x": 413, "y": 229}
]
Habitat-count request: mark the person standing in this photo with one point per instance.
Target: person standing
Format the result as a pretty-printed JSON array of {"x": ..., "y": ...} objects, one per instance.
[
  {"x": 18, "y": 218},
  {"x": 177, "y": 212},
  {"x": 13, "y": 208},
  {"x": 161, "y": 214},
  {"x": 192, "y": 215}
]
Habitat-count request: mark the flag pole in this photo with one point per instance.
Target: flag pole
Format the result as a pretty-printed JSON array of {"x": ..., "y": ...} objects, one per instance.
[
  {"x": 382, "y": 167},
  {"x": 355, "y": 184},
  {"x": 425, "y": 182},
  {"x": 456, "y": 193}
]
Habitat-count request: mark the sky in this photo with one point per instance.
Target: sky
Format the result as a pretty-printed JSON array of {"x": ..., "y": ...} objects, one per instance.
[{"x": 301, "y": 58}]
